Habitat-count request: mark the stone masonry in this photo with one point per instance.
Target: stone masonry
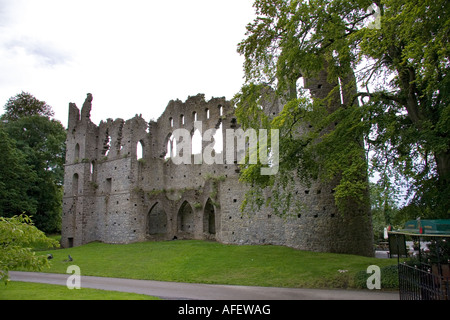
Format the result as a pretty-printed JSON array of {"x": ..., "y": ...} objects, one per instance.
[{"x": 114, "y": 194}]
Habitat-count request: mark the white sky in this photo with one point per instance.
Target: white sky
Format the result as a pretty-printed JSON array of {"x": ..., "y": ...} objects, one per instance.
[{"x": 134, "y": 56}]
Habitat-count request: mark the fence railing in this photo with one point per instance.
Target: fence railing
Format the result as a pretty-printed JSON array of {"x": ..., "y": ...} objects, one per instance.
[{"x": 420, "y": 283}]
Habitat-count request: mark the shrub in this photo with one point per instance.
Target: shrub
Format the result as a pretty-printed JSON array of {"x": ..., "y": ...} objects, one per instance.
[{"x": 389, "y": 278}]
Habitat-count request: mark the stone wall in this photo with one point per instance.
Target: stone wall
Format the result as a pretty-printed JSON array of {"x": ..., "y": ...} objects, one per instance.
[{"x": 112, "y": 196}]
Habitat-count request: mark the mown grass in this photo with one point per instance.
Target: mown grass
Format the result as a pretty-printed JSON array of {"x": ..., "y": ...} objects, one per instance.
[
  {"x": 211, "y": 262},
  {"x": 38, "y": 291}
]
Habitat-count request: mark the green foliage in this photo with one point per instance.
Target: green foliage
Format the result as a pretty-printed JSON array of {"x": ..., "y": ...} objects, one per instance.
[
  {"x": 40, "y": 141},
  {"x": 17, "y": 238},
  {"x": 16, "y": 179},
  {"x": 439, "y": 251},
  {"x": 396, "y": 107},
  {"x": 197, "y": 205},
  {"x": 25, "y": 105},
  {"x": 384, "y": 210},
  {"x": 388, "y": 278}
]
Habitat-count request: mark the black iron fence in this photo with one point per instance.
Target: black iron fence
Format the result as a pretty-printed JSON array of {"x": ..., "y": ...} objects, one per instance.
[{"x": 422, "y": 282}]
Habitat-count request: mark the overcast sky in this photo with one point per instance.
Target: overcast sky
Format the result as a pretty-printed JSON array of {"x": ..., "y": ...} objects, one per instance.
[{"x": 134, "y": 56}]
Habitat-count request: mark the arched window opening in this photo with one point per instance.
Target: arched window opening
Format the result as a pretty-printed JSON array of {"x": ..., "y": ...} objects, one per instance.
[
  {"x": 139, "y": 150},
  {"x": 218, "y": 140},
  {"x": 207, "y": 113},
  {"x": 196, "y": 142},
  {"x": 171, "y": 122},
  {"x": 186, "y": 218},
  {"x": 194, "y": 116},
  {"x": 157, "y": 220},
  {"x": 76, "y": 155},
  {"x": 209, "y": 218},
  {"x": 220, "y": 110},
  {"x": 182, "y": 120},
  {"x": 171, "y": 147}
]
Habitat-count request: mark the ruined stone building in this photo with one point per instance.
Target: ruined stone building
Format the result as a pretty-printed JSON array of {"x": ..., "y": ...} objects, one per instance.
[{"x": 121, "y": 187}]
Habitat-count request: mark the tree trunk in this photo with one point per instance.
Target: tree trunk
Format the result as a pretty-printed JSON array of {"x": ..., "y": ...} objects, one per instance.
[{"x": 443, "y": 167}]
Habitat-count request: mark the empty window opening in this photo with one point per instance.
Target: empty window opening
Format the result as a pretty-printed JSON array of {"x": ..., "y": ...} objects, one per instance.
[
  {"x": 76, "y": 156},
  {"x": 196, "y": 142},
  {"x": 220, "y": 110},
  {"x": 182, "y": 120},
  {"x": 91, "y": 170},
  {"x": 171, "y": 122},
  {"x": 106, "y": 144},
  {"x": 75, "y": 184},
  {"x": 207, "y": 113},
  {"x": 194, "y": 116},
  {"x": 171, "y": 147},
  {"x": 209, "y": 218},
  {"x": 108, "y": 185},
  {"x": 218, "y": 140},
  {"x": 139, "y": 150}
]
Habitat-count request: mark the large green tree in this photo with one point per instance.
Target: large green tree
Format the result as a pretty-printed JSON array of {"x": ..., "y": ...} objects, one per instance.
[
  {"x": 388, "y": 61},
  {"x": 16, "y": 180},
  {"x": 41, "y": 141}
]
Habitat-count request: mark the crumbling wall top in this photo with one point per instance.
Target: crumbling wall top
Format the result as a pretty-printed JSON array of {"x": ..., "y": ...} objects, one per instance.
[{"x": 87, "y": 107}]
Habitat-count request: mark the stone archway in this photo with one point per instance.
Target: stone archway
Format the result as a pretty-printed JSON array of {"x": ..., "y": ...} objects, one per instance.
[
  {"x": 209, "y": 218},
  {"x": 156, "y": 220},
  {"x": 186, "y": 219}
]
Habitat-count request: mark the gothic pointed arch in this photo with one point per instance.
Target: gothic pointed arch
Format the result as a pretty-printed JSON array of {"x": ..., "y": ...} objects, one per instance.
[
  {"x": 209, "y": 218},
  {"x": 186, "y": 218},
  {"x": 156, "y": 220}
]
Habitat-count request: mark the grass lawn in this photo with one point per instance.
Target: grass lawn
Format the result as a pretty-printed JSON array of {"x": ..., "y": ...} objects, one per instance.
[
  {"x": 37, "y": 291},
  {"x": 211, "y": 262}
]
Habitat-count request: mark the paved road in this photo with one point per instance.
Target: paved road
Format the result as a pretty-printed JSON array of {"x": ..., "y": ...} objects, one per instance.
[{"x": 175, "y": 290}]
